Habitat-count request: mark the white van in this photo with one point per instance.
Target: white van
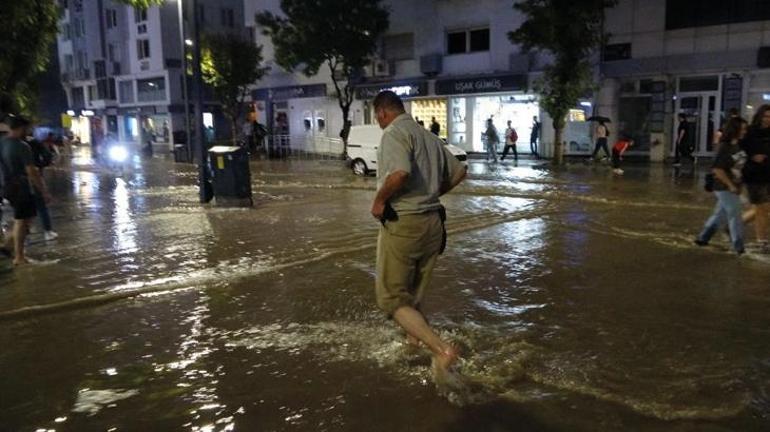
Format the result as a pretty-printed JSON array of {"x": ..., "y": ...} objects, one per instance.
[{"x": 362, "y": 149}]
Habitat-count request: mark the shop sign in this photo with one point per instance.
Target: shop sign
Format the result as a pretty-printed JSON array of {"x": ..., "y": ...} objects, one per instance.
[
  {"x": 486, "y": 84},
  {"x": 290, "y": 92},
  {"x": 403, "y": 89}
]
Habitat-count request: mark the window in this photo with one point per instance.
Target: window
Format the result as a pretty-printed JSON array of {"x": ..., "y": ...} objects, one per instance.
[
  {"x": 143, "y": 49},
  {"x": 76, "y": 27},
  {"x": 202, "y": 14},
  {"x": 78, "y": 98},
  {"x": 228, "y": 18},
  {"x": 69, "y": 63},
  {"x": 685, "y": 13},
  {"x": 140, "y": 14},
  {"x": 465, "y": 41},
  {"x": 111, "y": 17},
  {"x": 111, "y": 52},
  {"x": 398, "y": 46},
  {"x": 126, "y": 91},
  {"x": 92, "y": 95},
  {"x": 479, "y": 40},
  {"x": 150, "y": 90},
  {"x": 456, "y": 43}
]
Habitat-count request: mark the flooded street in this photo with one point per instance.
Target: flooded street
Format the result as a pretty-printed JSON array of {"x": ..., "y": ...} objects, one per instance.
[{"x": 577, "y": 298}]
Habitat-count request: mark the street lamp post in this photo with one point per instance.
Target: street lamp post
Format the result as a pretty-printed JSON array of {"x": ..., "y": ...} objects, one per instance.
[
  {"x": 205, "y": 192},
  {"x": 186, "y": 94}
]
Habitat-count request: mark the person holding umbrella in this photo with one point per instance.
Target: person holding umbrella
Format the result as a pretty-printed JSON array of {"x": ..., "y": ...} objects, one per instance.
[{"x": 601, "y": 133}]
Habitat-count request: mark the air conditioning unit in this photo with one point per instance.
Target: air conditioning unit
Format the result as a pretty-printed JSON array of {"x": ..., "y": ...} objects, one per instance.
[
  {"x": 382, "y": 68},
  {"x": 145, "y": 65},
  {"x": 431, "y": 64}
]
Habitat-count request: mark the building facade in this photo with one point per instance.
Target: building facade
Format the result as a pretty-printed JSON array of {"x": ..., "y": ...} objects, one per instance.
[
  {"x": 667, "y": 57},
  {"x": 461, "y": 70},
  {"x": 122, "y": 67}
]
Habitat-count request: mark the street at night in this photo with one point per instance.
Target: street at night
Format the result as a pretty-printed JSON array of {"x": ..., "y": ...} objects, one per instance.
[{"x": 577, "y": 298}]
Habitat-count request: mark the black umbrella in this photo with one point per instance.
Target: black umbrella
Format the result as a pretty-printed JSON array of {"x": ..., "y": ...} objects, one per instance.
[{"x": 599, "y": 119}]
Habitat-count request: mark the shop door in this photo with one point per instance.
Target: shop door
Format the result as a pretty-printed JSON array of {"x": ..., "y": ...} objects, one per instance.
[{"x": 702, "y": 111}]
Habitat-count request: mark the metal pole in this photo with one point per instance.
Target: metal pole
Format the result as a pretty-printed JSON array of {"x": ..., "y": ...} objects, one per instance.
[
  {"x": 185, "y": 92},
  {"x": 198, "y": 100}
]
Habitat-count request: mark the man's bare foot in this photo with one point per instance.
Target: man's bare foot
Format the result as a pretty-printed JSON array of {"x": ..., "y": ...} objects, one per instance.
[
  {"x": 445, "y": 360},
  {"x": 442, "y": 366},
  {"x": 20, "y": 261}
]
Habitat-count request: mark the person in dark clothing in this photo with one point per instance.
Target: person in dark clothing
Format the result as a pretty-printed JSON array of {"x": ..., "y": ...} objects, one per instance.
[
  {"x": 534, "y": 136},
  {"x": 727, "y": 170},
  {"x": 20, "y": 175},
  {"x": 43, "y": 157},
  {"x": 435, "y": 128},
  {"x": 756, "y": 172},
  {"x": 601, "y": 133},
  {"x": 684, "y": 141}
]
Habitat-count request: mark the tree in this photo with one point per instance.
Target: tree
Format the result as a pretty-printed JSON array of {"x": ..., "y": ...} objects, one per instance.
[
  {"x": 28, "y": 28},
  {"x": 571, "y": 31},
  {"x": 341, "y": 34},
  {"x": 230, "y": 64}
]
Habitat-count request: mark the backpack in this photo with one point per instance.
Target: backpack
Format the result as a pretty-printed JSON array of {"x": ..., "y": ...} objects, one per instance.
[
  {"x": 42, "y": 156},
  {"x": 513, "y": 136}
]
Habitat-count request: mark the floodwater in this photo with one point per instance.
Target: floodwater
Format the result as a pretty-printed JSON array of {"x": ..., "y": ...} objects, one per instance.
[{"x": 577, "y": 299}]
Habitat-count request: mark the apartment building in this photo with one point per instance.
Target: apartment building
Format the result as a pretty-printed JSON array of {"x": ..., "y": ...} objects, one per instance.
[
  {"x": 667, "y": 57},
  {"x": 122, "y": 67}
]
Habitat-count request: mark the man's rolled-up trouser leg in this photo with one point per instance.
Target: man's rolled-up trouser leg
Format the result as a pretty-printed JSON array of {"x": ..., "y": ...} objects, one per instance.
[{"x": 407, "y": 250}]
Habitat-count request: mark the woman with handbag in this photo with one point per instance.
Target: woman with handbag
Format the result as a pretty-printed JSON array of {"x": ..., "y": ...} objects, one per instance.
[{"x": 727, "y": 170}]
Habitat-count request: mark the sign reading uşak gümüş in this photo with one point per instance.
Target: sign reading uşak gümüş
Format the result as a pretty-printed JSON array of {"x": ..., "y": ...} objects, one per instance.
[{"x": 481, "y": 84}]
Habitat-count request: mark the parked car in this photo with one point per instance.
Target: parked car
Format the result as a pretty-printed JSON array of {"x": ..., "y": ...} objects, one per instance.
[{"x": 362, "y": 149}]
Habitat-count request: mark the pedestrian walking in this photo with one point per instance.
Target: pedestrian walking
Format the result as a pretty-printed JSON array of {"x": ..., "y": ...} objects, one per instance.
[
  {"x": 684, "y": 142},
  {"x": 601, "y": 133},
  {"x": 534, "y": 136},
  {"x": 727, "y": 170},
  {"x": 756, "y": 173},
  {"x": 43, "y": 157},
  {"x": 19, "y": 175},
  {"x": 618, "y": 149},
  {"x": 435, "y": 128},
  {"x": 414, "y": 170},
  {"x": 510, "y": 142},
  {"x": 491, "y": 140}
]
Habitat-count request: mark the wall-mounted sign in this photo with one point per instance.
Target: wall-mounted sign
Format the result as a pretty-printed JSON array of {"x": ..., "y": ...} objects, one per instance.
[
  {"x": 290, "y": 92},
  {"x": 481, "y": 84},
  {"x": 405, "y": 89}
]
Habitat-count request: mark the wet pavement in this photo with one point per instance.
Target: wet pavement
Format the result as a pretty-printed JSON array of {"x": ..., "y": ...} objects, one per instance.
[{"x": 577, "y": 297}]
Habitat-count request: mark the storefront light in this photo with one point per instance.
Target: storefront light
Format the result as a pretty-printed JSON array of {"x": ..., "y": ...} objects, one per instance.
[
  {"x": 87, "y": 113},
  {"x": 766, "y": 96},
  {"x": 71, "y": 113},
  {"x": 585, "y": 104},
  {"x": 401, "y": 90}
]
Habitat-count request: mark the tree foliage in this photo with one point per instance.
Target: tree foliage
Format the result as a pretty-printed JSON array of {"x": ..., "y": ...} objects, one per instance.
[
  {"x": 230, "y": 64},
  {"x": 341, "y": 34},
  {"x": 572, "y": 32},
  {"x": 27, "y": 30}
]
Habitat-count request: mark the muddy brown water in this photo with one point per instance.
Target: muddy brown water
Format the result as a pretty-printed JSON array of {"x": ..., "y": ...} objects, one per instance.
[{"x": 577, "y": 299}]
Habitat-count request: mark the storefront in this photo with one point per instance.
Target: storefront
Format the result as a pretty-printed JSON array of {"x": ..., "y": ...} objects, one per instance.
[
  {"x": 80, "y": 124},
  {"x": 471, "y": 101},
  {"x": 293, "y": 110},
  {"x": 414, "y": 94}
]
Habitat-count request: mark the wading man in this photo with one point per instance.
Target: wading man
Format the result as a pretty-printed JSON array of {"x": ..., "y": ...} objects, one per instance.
[{"x": 414, "y": 169}]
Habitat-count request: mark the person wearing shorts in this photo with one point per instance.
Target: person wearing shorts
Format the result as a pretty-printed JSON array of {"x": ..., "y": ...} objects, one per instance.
[
  {"x": 414, "y": 169},
  {"x": 20, "y": 175},
  {"x": 756, "y": 173}
]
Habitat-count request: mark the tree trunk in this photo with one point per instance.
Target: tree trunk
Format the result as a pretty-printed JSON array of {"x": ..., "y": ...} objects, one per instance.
[
  {"x": 345, "y": 130},
  {"x": 558, "y": 147}
]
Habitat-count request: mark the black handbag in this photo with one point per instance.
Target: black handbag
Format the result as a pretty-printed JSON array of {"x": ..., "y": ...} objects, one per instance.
[{"x": 709, "y": 181}]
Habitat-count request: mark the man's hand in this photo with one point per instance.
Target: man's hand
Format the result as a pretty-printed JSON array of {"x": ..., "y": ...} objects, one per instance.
[{"x": 378, "y": 209}]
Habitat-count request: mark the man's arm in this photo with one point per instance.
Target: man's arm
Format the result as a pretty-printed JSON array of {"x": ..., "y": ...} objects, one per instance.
[
  {"x": 721, "y": 174},
  {"x": 457, "y": 178},
  {"x": 394, "y": 182},
  {"x": 37, "y": 181}
]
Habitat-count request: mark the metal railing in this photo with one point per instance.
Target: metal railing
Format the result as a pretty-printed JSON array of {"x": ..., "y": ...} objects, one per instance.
[{"x": 308, "y": 147}]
